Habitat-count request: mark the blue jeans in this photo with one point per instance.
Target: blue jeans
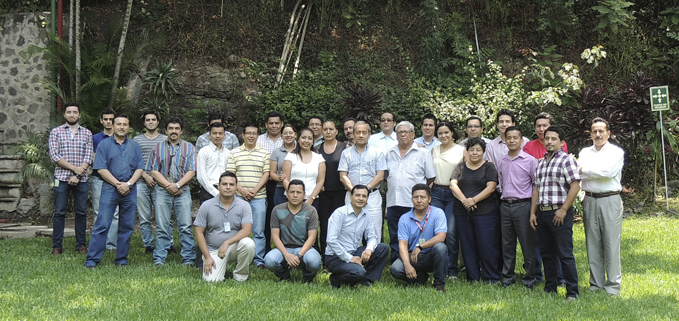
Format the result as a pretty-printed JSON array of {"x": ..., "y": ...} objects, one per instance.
[
  {"x": 111, "y": 201},
  {"x": 436, "y": 260},
  {"x": 443, "y": 199},
  {"x": 279, "y": 196},
  {"x": 258, "y": 207},
  {"x": 61, "y": 194},
  {"x": 145, "y": 198},
  {"x": 165, "y": 203},
  {"x": 112, "y": 237},
  {"x": 310, "y": 264}
]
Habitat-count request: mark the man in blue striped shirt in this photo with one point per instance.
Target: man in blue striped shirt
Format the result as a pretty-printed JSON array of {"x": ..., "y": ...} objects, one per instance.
[
  {"x": 349, "y": 263},
  {"x": 173, "y": 165}
]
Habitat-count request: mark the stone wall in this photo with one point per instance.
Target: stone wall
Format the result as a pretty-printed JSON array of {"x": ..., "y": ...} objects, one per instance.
[{"x": 24, "y": 101}]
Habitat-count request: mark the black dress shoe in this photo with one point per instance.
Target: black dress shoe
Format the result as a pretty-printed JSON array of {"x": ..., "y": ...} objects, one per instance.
[
  {"x": 148, "y": 250},
  {"x": 56, "y": 251}
]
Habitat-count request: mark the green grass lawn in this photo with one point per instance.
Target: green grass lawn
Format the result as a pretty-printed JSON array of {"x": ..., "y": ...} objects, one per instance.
[{"x": 36, "y": 285}]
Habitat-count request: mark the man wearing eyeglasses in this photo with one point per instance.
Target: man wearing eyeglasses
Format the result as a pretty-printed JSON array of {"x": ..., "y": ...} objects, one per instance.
[
  {"x": 407, "y": 165},
  {"x": 474, "y": 128},
  {"x": 250, "y": 163}
]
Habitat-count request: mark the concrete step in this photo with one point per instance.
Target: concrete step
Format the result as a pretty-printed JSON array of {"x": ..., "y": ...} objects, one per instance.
[
  {"x": 8, "y": 204},
  {"x": 8, "y": 176},
  {"x": 10, "y": 190}
]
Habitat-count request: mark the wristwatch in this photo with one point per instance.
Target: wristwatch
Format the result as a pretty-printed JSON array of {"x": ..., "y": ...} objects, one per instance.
[
  {"x": 129, "y": 184},
  {"x": 419, "y": 247},
  {"x": 179, "y": 186}
]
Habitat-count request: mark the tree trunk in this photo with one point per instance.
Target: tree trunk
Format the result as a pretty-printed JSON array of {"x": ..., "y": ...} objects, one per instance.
[
  {"x": 71, "y": 34},
  {"x": 119, "y": 60},
  {"x": 77, "y": 50}
]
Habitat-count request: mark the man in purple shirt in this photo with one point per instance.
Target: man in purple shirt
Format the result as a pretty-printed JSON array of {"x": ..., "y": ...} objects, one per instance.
[
  {"x": 497, "y": 148},
  {"x": 557, "y": 183},
  {"x": 516, "y": 172}
]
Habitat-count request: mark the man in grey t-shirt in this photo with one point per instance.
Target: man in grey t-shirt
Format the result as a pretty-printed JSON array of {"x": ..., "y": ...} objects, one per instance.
[
  {"x": 223, "y": 225},
  {"x": 294, "y": 228}
]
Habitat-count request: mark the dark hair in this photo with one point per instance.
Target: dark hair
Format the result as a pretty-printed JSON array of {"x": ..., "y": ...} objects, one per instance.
[
  {"x": 121, "y": 116},
  {"x": 421, "y": 187},
  {"x": 250, "y": 125},
  {"x": 296, "y": 182},
  {"x": 316, "y": 117},
  {"x": 298, "y": 148},
  {"x": 71, "y": 104},
  {"x": 430, "y": 116},
  {"x": 228, "y": 174},
  {"x": 359, "y": 186},
  {"x": 543, "y": 115},
  {"x": 214, "y": 115},
  {"x": 107, "y": 111},
  {"x": 150, "y": 112},
  {"x": 450, "y": 126},
  {"x": 289, "y": 125},
  {"x": 466, "y": 122},
  {"x": 505, "y": 112},
  {"x": 274, "y": 114},
  {"x": 557, "y": 130},
  {"x": 348, "y": 119},
  {"x": 329, "y": 121},
  {"x": 174, "y": 120},
  {"x": 510, "y": 128},
  {"x": 601, "y": 120},
  {"x": 215, "y": 125},
  {"x": 476, "y": 141}
]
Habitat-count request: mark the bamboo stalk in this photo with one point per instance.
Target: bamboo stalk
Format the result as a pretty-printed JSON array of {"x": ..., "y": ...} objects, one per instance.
[
  {"x": 301, "y": 42},
  {"x": 286, "y": 46}
]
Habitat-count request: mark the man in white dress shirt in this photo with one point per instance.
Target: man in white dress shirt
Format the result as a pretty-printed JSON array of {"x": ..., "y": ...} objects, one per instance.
[{"x": 600, "y": 171}]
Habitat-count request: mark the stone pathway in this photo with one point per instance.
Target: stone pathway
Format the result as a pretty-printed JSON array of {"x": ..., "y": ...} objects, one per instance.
[{"x": 26, "y": 230}]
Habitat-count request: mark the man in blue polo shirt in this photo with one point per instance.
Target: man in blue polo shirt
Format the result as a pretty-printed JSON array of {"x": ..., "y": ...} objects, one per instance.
[
  {"x": 106, "y": 120},
  {"x": 421, "y": 242},
  {"x": 120, "y": 164}
]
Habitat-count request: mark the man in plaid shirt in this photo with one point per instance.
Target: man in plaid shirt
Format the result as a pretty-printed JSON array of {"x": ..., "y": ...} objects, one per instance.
[
  {"x": 70, "y": 146},
  {"x": 557, "y": 183}
]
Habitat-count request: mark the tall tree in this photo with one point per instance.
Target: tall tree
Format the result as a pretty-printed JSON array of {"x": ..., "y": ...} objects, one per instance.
[
  {"x": 119, "y": 60},
  {"x": 77, "y": 50}
]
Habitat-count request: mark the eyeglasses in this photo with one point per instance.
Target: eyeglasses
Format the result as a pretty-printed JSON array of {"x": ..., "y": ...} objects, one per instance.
[{"x": 404, "y": 132}]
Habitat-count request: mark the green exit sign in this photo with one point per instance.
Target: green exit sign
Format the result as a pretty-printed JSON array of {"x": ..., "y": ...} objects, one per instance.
[{"x": 660, "y": 98}]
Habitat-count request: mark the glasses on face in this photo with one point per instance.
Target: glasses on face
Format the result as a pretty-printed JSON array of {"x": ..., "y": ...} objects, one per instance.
[
  {"x": 314, "y": 125},
  {"x": 404, "y": 132}
]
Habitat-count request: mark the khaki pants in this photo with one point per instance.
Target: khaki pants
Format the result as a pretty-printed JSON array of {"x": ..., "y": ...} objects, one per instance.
[{"x": 243, "y": 252}]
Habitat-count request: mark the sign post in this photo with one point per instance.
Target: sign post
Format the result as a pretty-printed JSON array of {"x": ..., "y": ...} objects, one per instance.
[{"x": 660, "y": 100}]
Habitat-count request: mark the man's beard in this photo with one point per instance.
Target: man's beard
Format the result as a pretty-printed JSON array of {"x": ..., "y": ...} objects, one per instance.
[{"x": 72, "y": 123}]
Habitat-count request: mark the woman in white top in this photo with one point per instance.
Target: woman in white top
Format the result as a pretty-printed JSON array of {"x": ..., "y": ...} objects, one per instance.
[
  {"x": 277, "y": 156},
  {"x": 446, "y": 157},
  {"x": 306, "y": 165}
]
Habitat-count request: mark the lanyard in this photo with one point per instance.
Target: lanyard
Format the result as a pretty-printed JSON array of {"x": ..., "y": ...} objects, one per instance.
[{"x": 425, "y": 221}]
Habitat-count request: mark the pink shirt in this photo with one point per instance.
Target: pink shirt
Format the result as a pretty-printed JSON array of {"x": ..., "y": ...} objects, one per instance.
[{"x": 536, "y": 149}]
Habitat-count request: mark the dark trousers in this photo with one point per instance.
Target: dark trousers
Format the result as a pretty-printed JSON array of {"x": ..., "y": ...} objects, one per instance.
[
  {"x": 61, "y": 195},
  {"x": 558, "y": 240},
  {"x": 443, "y": 199},
  {"x": 328, "y": 202},
  {"x": 270, "y": 192},
  {"x": 480, "y": 240},
  {"x": 204, "y": 196},
  {"x": 394, "y": 213},
  {"x": 351, "y": 273},
  {"x": 515, "y": 224},
  {"x": 436, "y": 260}
]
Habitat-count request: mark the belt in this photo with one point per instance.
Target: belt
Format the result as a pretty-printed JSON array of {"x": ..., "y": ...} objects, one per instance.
[
  {"x": 442, "y": 186},
  {"x": 600, "y": 195},
  {"x": 546, "y": 208},
  {"x": 521, "y": 200}
]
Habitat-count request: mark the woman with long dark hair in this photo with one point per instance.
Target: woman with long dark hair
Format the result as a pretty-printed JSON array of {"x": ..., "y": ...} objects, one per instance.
[{"x": 306, "y": 165}]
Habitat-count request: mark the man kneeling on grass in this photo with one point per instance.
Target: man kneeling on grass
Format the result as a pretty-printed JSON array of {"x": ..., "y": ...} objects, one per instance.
[
  {"x": 294, "y": 228},
  {"x": 421, "y": 237},
  {"x": 349, "y": 263},
  {"x": 222, "y": 228}
]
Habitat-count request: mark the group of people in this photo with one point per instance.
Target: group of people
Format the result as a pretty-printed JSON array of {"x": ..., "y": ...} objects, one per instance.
[{"x": 323, "y": 202}]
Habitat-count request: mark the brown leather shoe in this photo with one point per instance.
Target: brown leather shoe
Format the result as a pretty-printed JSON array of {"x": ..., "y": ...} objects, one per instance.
[
  {"x": 82, "y": 249},
  {"x": 56, "y": 251}
]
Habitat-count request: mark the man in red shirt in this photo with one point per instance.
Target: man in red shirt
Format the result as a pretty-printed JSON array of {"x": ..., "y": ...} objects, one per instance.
[{"x": 536, "y": 148}]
